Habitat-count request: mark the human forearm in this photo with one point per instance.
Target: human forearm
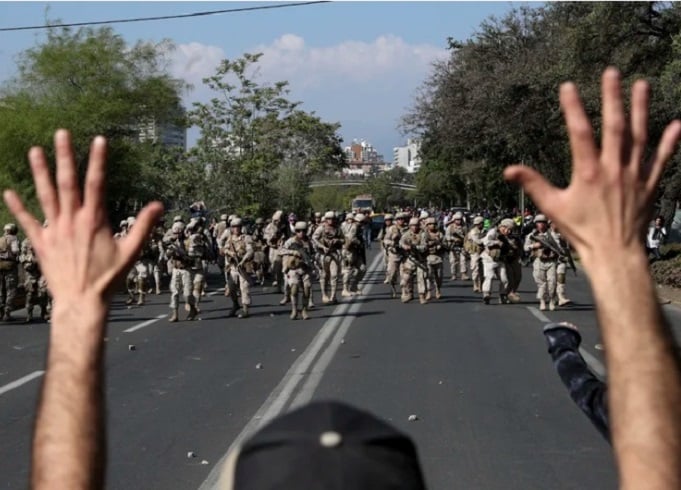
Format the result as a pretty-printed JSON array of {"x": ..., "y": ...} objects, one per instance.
[
  {"x": 644, "y": 372},
  {"x": 68, "y": 448}
]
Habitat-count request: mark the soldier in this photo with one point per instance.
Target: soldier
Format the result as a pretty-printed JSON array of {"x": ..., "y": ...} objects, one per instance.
[
  {"x": 512, "y": 256},
  {"x": 218, "y": 231},
  {"x": 561, "y": 267},
  {"x": 298, "y": 253},
  {"x": 391, "y": 243},
  {"x": 259, "y": 246},
  {"x": 9, "y": 269},
  {"x": 387, "y": 223},
  {"x": 137, "y": 277},
  {"x": 180, "y": 279},
  {"x": 123, "y": 229},
  {"x": 315, "y": 223},
  {"x": 435, "y": 250},
  {"x": 454, "y": 238},
  {"x": 545, "y": 261},
  {"x": 238, "y": 251},
  {"x": 351, "y": 256},
  {"x": 413, "y": 245},
  {"x": 348, "y": 223},
  {"x": 35, "y": 294},
  {"x": 328, "y": 240},
  {"x": 274, "y": 236},
  {"x": 493, "y": 260},
  {"x": 198, "y": 251},
  {"x": 474, "y": 245}
]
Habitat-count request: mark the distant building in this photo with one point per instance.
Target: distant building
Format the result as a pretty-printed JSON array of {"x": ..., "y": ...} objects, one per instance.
[
  {"x": 408, "y": 156},
  {"x": 363, "y": 159},
  {"x": 168, "y": 134}
]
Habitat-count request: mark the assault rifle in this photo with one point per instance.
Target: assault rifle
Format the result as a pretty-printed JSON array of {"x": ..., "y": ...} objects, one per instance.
[{"x": 552, "y": 245}]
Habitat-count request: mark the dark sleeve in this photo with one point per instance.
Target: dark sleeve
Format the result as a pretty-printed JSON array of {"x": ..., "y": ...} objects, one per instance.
[{"x": 586, "y": 390}]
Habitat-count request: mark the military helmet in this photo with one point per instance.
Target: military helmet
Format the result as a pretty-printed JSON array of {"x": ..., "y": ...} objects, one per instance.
[
  {"x": 359, "y": 217},
  {"x": 123, "y": 223},
  {"x": 388, "y": 217},
  {"x": 507, "y": 223},
  {"x": 329, "y": 215},
  {"x": 259, "y": 221},
  {"x": 10, "y": 228},
  {"x": 540, "y": 218},
  {"x": 424, "y": 214},
  {"x": 277, "y": 215},
  {"x": 177, "y": 219},
  {"x": 478, "y": 220},
  {"x": 235, "y": 222},
  {"x": 431, "y": 221},
  {"x": 318, "y": 214},
  {"x": 414, "y": 221},
  {"x": 178, "y": 227},
  {"x": 300, "y": 225},
  {"x": 223, "y": 217},
  {"x": 401, "y": 215},
  {"x": 457, "y": 215}
]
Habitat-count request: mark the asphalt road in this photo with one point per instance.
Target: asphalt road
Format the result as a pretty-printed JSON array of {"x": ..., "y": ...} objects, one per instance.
[{"x": 491, "y": 411}]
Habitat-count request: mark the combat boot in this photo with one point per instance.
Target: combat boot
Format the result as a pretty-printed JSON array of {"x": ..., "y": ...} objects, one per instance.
[
  {"x": 304, "y": 314},
  {"x": 503, "y": 299},
  {"x": 464, "y": 277},
  {"x": 244, "y": 312},
  {"x": 552, "y": 304},
  {"x": 284, "y": 300},
  {"x": 192, "y": 313},
  {"x": 427, "y": 296},
  {"x": 486, "y": 299},
  {"x": 438, "y": 294},
  {"x": 394, "y": 291},
  {"x": 173, "y": 315},
  {"x": 563, "y": 301},
  {"x": 29, "y": 315},
  {"x": 542, "y": 304},
  {"x": 332, "y": 296},
  {"x": 310, "y": 303},
  {"x": 140, "y": 299},
  {"x": 346, "y": 292},
  {"x": 130, "y": 300},
  {"x": 423, "y": 298}
]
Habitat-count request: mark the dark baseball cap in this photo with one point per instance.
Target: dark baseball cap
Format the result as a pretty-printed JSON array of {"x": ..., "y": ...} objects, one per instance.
[{"x": 325, "y": 445}]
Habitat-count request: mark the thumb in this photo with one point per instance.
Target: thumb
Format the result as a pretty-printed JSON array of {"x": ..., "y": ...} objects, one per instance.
[{"x": 537, "y": 187}]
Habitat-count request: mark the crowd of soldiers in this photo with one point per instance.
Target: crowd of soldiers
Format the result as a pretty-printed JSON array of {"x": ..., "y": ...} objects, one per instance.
[{"x": 292, "y": 253}]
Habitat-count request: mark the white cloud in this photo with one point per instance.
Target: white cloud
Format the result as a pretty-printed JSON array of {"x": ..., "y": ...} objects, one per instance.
[{"x": 195, "y": 61}]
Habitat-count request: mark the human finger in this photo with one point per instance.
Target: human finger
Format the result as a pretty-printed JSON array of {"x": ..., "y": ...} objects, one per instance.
[
  {"x": 614, "y": 123},
  {"x": 538, "y": 188},
  {"x": 26, "y": 220},
  {"x": 44, "y": 187},
  {"x": 640, "y": 95},
  {"x": 665, "y": 150},
  {"x": 67, "y": 176},
  {"x": 132, "y": 243},
  {"x": 580, "y": 133},
  {"x": 95, "y": 177}
]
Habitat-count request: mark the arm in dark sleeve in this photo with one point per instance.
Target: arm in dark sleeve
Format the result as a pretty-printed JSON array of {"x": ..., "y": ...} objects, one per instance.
[{"x": 586, "y": 390}]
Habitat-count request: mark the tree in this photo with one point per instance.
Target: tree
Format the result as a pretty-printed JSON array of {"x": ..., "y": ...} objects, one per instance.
[
  {"x": 90, "y": 82},
  {"x": 261, "y": 149}
]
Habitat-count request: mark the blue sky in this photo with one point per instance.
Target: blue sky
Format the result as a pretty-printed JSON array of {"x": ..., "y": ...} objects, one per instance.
[{"x": 357, "y": 63}]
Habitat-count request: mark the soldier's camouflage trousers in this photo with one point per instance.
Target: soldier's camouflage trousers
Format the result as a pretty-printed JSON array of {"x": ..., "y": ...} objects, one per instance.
[
  {"x": 299, "y": 279},
  {"x": 544, "y": 274},
  {"x": 476, "y": 272},
  {"x": 237, "y": 280},
  {"x": 180, "y": 281},
  {"x": 328, "y": 274},
  {"x": 458, "y": 261},
  {"x": 409, "y": 271},
  {"x": 494, "y": 269},
  {"x": 36, "y": 293},
  {"x": 561, "y": 270},
  {"x": 8, "y": 290}
]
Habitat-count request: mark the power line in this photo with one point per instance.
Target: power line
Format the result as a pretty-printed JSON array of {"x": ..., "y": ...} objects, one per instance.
[{"x": 164, "y": 17}]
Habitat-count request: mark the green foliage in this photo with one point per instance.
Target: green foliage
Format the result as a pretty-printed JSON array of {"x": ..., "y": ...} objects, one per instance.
[
  {"x": 332, "y": 198},
  {"x": 90, "y": 82},
  {"x": 385, "y": 195},
  {"x": 259, "y": 147},
  {"x": 494, "y": 101},
  {"x": 667, "y": 272}
]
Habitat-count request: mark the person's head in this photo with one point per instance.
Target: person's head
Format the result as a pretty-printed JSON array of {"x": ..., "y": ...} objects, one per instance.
[
  {"x": 292, "y": 218},
  {"x": 431, "y": 223},
  {"x": 223, "y": 217},
  {"x": 330, "y": 218},
  {"x": 324, "y": 445},
  {"x": 300, "y": 228},
  {"x": 506, "y": 226},
  {"x": 541, "y": 223},
  {"x": 359, "y": 218},
  {"x": 457, "y": 217},
  {"x": 235, "y": 226},
  {"x": 401, "y": 219},
  {"x": 317, "y": 217},
  {"x": 259, "y": 222},
  {"x": 479, "y": 221},
  {"x": 414, "y": 224},
  {"x": 388, "y": 219},
  {"x": 276, "y": 217},
  {"x": 177, "y": 219},
  {"x": 659, "y": 221},
  {"x": 10, "y": 229},
  {"x": 177, "y": 230}
]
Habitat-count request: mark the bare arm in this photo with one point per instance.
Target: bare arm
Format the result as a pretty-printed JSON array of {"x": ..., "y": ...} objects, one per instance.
[
  {"x": 603, "y": 213},
  {"x": 82, "y": 263}
]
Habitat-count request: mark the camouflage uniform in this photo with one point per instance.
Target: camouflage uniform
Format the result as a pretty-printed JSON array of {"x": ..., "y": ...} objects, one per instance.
[
  {"x": 435, "y": 250},
  {"x": 474, "y": 245},
  {"x": 180, "y": 279},
  {"x": 274, "y": 237},
  {"x": 391, "y": 243},
  {"x": 494, "y": 260},
  {"x": 353, "y": 249},
  {"x": 561, "y": 267},
  {"x": 298, "y": 259},
  {"x": 328, "y": 240},
  {"x": 9, "y": 269},
  {"x": 412, "y": 266},
  {"x": 455, "y": 236},
  {"x": 259, "y": 247},
  {"x": 238, "y": 251},
  {"x": 36, "y": 291},
  {"x": 545, "y": 262},
  {"x": 388, "y": 222},
  {"x": 198, "y": 252}
]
